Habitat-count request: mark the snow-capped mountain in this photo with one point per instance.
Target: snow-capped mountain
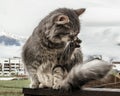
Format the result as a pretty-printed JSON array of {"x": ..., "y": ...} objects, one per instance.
[
  {"x": 10, "y": 44},
  {"x": 10, "y": 39}
]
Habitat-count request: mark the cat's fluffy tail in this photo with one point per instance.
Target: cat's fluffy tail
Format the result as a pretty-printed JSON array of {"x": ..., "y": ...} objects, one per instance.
[{"x": 83, "y": 73}]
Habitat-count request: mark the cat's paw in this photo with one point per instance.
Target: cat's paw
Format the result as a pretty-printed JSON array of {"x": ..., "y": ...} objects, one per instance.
[
  {"x": 33, "y": 85},
  {"x": 41, "y": 85},
  {"x": 56, "y": 86},
  {"x": 77, "y": 42},
  {"x": 65, "y": 87},
  {"x": 61, "y": 87}
]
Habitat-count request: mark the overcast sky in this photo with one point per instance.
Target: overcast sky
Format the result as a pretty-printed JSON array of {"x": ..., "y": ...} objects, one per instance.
[
  {"x": 100, "y": 23},
  {"x": 22, "y": 16}
]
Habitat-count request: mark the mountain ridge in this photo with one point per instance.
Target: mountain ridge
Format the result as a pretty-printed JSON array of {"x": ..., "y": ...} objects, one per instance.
[{"x": 9, "y": 39}]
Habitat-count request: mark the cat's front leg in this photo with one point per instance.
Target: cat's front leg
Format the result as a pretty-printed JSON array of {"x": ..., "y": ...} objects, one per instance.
[
  {"x": 67, "y": 53},
  {"x": 34, "y": 81},
  {"x": 58, "y": 75}
]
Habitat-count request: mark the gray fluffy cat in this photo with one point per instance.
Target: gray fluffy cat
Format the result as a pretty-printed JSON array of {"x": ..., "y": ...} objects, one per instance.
[{"x": 51, "y": 55}]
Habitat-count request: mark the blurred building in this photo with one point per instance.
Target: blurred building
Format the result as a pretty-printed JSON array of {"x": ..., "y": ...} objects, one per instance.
[{"x": 11, "y": 66}]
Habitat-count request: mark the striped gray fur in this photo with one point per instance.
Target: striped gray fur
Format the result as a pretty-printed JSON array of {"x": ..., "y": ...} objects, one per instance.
[{"x": 47, "y": 47}]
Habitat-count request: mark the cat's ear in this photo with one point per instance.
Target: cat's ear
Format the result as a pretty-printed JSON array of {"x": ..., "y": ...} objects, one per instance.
[
  {"x": 80, "y": 11},
  {"x": 62, "y": 19}
]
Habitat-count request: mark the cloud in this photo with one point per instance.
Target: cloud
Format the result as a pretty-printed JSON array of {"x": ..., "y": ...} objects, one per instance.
[
  {"x": 10, "y": 51},
  {"x": 100, "y": 41},
  {"x": 22, "y": 16},
  {"x": 102, "y": 17}
]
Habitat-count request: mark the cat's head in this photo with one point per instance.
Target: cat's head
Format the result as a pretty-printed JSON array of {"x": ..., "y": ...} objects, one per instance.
[{"x": 63, "y": 25}]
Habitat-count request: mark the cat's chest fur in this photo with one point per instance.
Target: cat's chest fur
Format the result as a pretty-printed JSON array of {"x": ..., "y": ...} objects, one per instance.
[
  {"x": 49, "y": 61},
  {"x": 41, "y": 51},
  {"x": 44, "y": 71}
]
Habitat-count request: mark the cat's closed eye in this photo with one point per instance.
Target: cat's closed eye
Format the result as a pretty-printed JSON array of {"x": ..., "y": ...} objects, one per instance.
[
  {"x": 65, "y": 33},
  {"x": 62, "y": 34},
  {"x": 66, "y": 26}
]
